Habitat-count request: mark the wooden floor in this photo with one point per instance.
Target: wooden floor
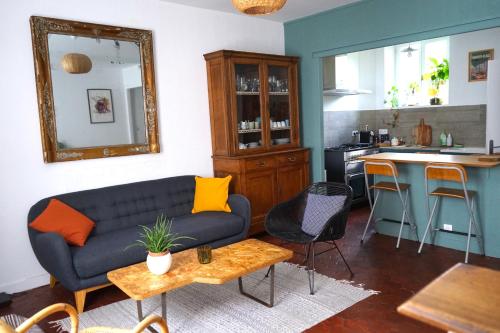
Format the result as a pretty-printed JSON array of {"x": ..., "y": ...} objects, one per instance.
[{"x": 397, "y": 274}]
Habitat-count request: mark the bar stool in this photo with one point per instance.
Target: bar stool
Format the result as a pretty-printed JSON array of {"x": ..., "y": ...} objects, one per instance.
[
  {"x": 387, "y": 168},
  {"x": 455, "y": 173}
]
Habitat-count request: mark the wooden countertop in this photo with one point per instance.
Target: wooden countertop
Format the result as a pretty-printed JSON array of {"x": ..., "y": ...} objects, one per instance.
[
  {"x": 465, "y": 298},
  {"x": 465, "y": 160}
]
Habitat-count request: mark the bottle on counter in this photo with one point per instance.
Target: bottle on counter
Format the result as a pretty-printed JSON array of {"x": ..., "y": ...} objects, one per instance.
[
  {"x": 442, "y": 139},
  {"x": 449, "y": 140}
]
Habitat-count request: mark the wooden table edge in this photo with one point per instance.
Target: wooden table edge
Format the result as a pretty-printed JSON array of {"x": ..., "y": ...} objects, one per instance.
[{"x": 440, "y": 320}]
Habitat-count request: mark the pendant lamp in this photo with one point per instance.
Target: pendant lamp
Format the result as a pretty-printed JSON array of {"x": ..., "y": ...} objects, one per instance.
[{"x": 258, "y": 7}]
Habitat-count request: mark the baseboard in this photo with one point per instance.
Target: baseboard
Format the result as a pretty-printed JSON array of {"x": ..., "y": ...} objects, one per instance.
[{"x": 25, "y": 283}]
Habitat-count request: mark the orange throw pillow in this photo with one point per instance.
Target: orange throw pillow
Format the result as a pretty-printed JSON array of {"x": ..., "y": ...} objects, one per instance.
[
  {"x": 211, "y": 195},
  {"x": 64, "y": 220}
]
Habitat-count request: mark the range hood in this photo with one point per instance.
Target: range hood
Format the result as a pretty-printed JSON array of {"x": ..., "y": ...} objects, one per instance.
[
  {"x": 345, "y": 92},
  {"x": 330, "y": 80}
]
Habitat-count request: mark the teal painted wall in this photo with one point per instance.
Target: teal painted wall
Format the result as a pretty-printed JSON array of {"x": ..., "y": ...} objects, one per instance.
[{"x": 370, "y": 24}]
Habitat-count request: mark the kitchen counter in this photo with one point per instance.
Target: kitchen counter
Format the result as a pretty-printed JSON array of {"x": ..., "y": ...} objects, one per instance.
[
  {"x": 465, "y": 160},
  {"x": 437, "y": 150},
  {"x": 484, "y": 178}
]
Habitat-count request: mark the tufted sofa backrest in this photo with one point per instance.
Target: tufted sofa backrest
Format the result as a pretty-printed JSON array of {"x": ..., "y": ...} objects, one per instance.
[{"x": 128, "y": 205}]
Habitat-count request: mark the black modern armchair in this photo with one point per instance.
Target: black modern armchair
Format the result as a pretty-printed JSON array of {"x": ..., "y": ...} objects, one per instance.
[{"x": 285, "y": 221}]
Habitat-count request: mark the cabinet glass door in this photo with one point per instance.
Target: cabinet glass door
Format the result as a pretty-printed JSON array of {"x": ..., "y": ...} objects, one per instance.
[
  {"x": 279, "y": 105},
  {"x": 248, "y": 104}
]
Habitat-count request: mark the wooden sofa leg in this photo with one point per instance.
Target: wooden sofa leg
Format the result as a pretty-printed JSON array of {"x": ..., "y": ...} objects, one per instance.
[
  {"x": 53, "y": 281},
  {"x": 80, "y": 300}
]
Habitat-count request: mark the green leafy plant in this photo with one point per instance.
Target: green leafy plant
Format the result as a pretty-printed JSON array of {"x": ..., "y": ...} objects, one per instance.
[
  {"x": 414, "y": 87},
  {"x": 392, "y": 97},
  {"x": 159, "y": 238},
  {"x": 439, "y": 74}
]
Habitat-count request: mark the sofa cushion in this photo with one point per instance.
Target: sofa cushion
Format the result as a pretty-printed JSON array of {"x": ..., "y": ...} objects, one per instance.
[
  {"x": 105, "y": 252},
  {"x": 60, "y": 218},
  {"x": 211, "y": 195}
]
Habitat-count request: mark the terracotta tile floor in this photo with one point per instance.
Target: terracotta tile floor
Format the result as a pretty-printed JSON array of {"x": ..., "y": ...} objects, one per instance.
[{"x": 398, "y": 274}]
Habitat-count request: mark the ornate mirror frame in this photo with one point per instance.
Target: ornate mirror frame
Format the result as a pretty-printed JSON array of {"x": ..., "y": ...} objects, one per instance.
[{"x": 40, "y": 29}]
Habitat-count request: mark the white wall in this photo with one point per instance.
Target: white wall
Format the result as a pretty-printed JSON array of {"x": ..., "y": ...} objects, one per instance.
[
  {"x": 181, "y": 36},
  {"x": 365, "y": 71},
  {"x": 463, "y": 92}
]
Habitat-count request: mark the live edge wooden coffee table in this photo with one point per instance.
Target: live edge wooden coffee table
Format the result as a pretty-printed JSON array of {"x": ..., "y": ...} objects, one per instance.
[{"x": 228, "y": 263}]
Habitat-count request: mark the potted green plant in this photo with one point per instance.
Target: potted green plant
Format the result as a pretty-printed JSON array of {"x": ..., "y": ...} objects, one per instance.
[
  {"x": 158, "y": 240},
  {"x": 439, "y": 74},
  {"x": 392, "y": 97},
  {"x": 413, "y": 88}
]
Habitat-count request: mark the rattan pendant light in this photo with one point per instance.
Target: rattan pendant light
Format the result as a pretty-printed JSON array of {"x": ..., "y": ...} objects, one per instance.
[
  {"x": 258, "y": 7},
  {"x": 76, "y": 63}
]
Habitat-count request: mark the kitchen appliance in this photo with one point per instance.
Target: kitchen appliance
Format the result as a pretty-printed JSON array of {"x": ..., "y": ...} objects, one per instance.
[
  {"x": 383, "y": 134},
  {"x": 336, "y": 84},
  {"x": 342, "y": 165},
  {"x": 366, "y": 136}
]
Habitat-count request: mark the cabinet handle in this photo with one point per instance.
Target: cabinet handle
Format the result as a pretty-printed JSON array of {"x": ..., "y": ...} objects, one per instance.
[
  {"x": 292, "y": 158},
  {"x": 261, "y": 164}
]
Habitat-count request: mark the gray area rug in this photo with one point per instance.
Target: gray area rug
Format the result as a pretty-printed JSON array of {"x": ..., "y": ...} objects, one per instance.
[{"x": 221, "y": 308}]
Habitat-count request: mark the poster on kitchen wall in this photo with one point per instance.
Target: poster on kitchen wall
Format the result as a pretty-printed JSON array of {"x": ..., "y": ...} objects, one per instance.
[
  {"x": 478, "y": 65},
  {"x": 100, "y": 106}
]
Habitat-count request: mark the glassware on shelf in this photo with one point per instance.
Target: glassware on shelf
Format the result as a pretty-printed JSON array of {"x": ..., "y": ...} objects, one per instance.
[{"x": 245, "y": 84}]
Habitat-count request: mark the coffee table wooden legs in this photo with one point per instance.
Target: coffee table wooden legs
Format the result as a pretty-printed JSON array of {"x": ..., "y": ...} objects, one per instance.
[
  {"x": 271, "y": 290},
  {"x": 163, "y": 310}
]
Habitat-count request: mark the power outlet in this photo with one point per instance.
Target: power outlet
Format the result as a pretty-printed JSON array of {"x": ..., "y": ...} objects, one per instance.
[
  {"x": 448, "y": 227},
  {"x": 355, "y": 132}
]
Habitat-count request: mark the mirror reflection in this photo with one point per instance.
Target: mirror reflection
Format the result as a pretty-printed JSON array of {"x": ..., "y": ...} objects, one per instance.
[{"x": 97, "y": 90}]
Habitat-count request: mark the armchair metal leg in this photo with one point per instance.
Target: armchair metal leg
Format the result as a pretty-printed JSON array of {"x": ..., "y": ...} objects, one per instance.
[
  {"x": 310, "y": 272},
  {"x": 342, "y": 256},
  {"x": 307, "y": 248}
]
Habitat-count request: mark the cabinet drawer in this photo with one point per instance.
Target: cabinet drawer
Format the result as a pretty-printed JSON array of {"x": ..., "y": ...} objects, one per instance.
[
  {"x": 260, "y": 163},
  {"x": 291, "y": 158}
]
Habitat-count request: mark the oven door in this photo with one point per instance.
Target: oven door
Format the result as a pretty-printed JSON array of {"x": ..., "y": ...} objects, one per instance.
[{"x": 357, "y": 182}]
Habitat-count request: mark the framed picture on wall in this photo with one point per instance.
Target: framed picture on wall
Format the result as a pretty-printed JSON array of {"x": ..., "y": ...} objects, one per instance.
[
  {"x": 478, "y": 64},
  {"x": 100, "y": 106}
]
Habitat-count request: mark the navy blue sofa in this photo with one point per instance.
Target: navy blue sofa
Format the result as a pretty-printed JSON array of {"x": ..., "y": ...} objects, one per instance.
[{"x": 117, "y": 212}]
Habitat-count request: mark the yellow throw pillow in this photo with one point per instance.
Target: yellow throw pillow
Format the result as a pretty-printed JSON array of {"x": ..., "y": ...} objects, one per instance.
[{"x": 211, "y": 195}]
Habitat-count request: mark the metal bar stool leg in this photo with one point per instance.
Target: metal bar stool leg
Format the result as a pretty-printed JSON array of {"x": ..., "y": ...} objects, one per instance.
[
  {"x": 413, "y": 225},
  {"x": 477, "y": 228},
  {"x": 371, "y": 214},
  {"x": 428, "y": 225},
  {"x": 469, "y": 230},
  {"x": 405, "y": 213}
]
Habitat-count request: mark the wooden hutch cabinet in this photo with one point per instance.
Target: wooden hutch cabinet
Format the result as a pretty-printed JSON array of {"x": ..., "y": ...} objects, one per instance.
[{"x": 255, "y": 127}]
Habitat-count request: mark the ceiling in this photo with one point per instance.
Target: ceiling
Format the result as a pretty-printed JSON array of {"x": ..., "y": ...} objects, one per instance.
[{"x": 292, "y": 10}]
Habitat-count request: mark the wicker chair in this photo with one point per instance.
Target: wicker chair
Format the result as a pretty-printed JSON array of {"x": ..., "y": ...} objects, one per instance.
[
  {"x": 71, "y": 311},
  {"x": 284, "y": 221}
]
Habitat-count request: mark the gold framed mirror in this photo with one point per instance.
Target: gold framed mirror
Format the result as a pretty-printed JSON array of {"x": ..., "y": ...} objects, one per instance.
[{"x": 96, "y": 90}]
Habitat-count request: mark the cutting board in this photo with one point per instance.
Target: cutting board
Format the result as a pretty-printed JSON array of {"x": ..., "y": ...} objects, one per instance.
[{"x": 423, "y": 134}]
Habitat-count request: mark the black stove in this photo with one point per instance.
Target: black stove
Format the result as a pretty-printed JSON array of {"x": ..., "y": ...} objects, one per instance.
[
  {"x": 350, "y": 147},
  {"x": 342, "y": 164}
]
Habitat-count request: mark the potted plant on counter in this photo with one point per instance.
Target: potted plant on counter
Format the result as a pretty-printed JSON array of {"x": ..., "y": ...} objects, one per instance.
[
  {"x": 158, "y": 240},
  {"x": 440, "y": 73}
]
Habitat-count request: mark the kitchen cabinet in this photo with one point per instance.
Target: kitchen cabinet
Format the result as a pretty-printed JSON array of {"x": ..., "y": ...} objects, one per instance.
[{"x": 254, "y": 121}]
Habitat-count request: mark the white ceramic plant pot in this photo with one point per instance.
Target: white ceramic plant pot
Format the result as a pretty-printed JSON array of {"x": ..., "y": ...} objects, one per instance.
[{"x": 159, "y": 263}]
